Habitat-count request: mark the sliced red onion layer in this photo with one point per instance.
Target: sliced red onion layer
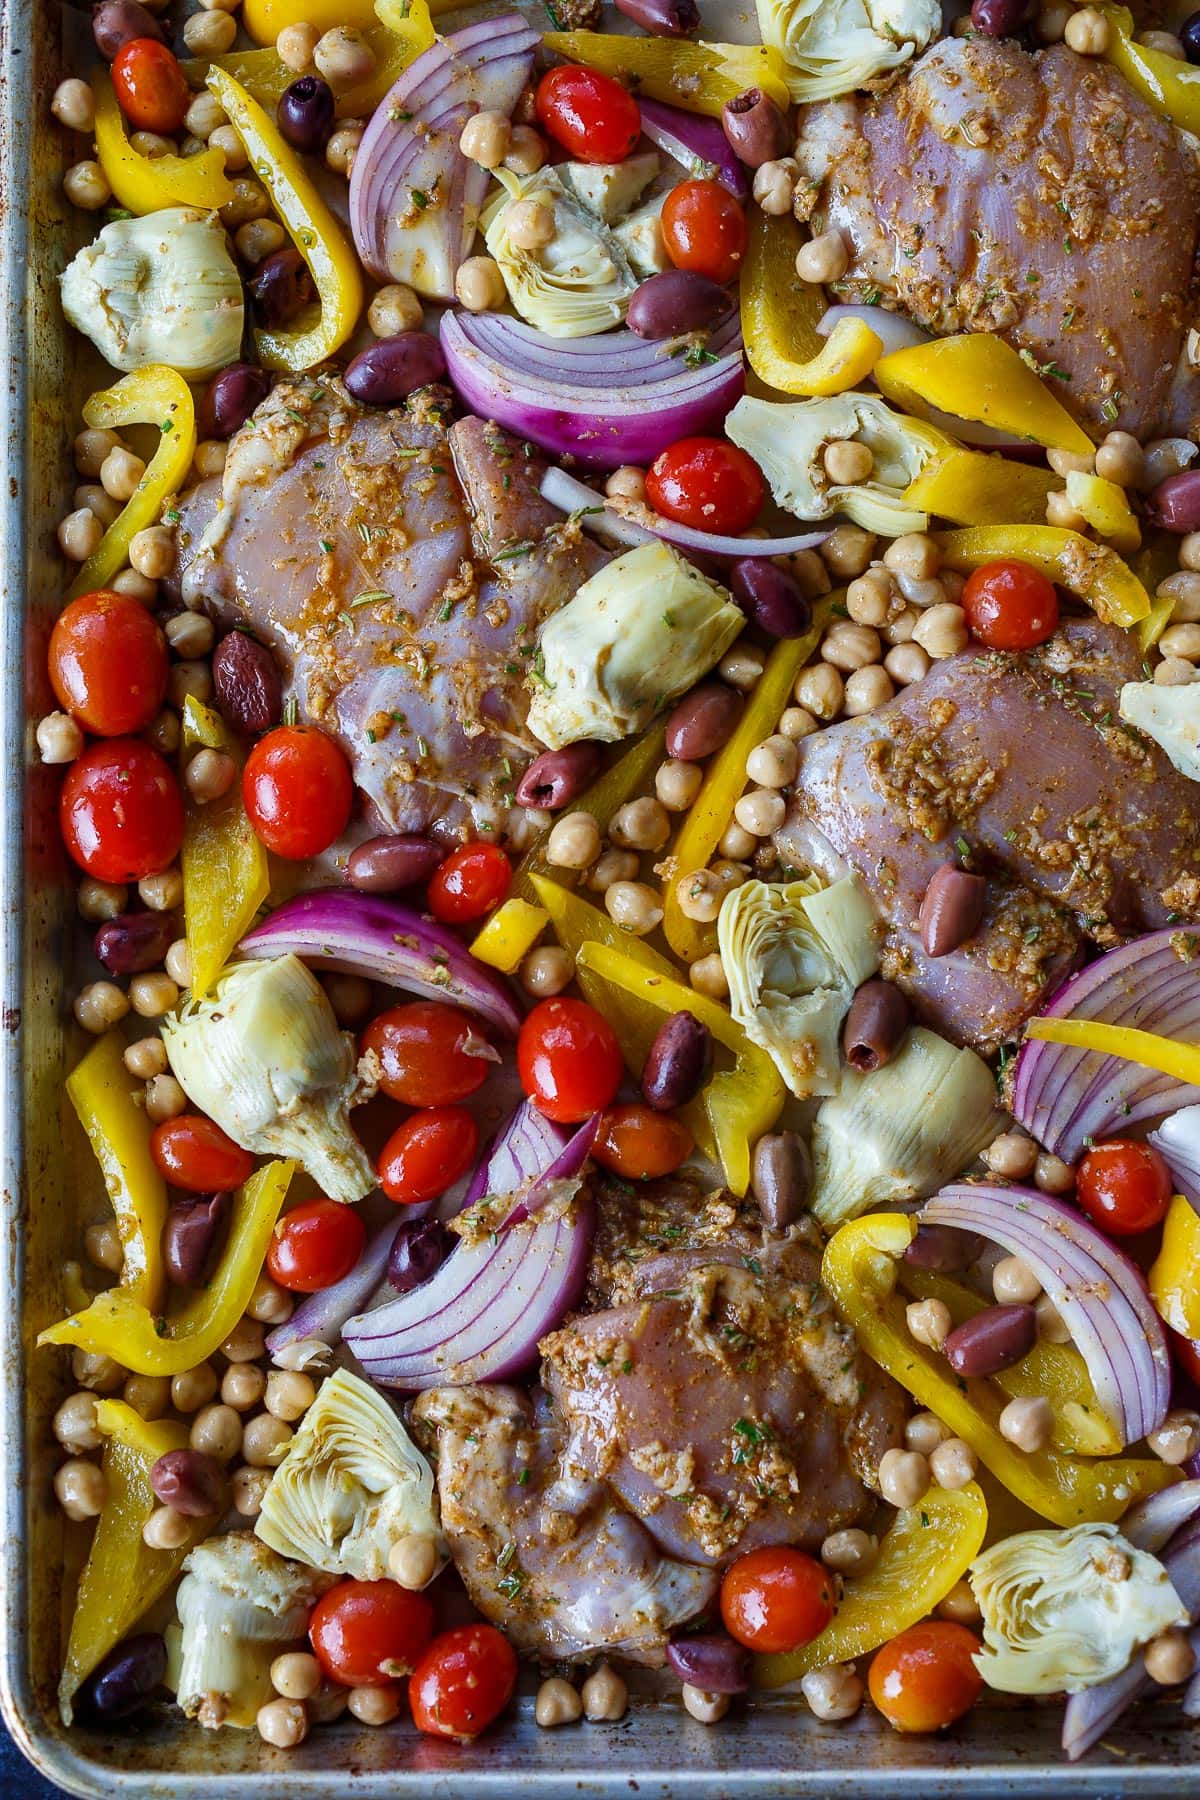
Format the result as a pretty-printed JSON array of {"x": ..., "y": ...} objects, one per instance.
[
  {"x": 1101, "y": 1294},
  {"x": 1178, "y": 1142},
  {"x": 1154, "y": 1521},
  {"x": 414, "y": 197},
  {"x": 323, "y": 1315},
  {"x": 610, "y": 399},
  {"x": 697, "y": 143},
  {"x": 340, "y": 929},
  {"x": 602, "y": 516},
  {"x": 565, "y": 1166},
  {"x": 1066, "y": 1097}
]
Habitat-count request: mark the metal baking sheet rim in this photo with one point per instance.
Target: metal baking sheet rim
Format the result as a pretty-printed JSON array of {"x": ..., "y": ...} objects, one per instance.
[{"x": 775, "y": 1748}]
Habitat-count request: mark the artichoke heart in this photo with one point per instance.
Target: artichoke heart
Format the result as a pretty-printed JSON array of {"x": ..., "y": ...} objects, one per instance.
[
  {"x": 352, "y": 1484},
  {"x": 162, "y": 288},
  {"x": 633, "y": 638},
  {"x": 793, "y": 955},
  {"x": 832, "y": 47},
  {"x": 788, "y": 439},
  {"x": 577, "y": 284},
  {"x": 263, "y": 1056},
  {"x": 1066, "y": 1610},
  {"x": 1170, "y": 716}
]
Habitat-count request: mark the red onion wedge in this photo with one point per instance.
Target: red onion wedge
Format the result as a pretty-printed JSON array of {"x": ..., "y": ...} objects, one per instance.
[
  {"x": 607, "y": 520},
  {"x": 414, "y": 197},
  {"x": 528, "y": 1145},
  {"x": 1066, "y": 1097},
  {"x": 1177, "y": 1141},
  {"x": 322, "y": 1315},
  {"x": 697, "y": 144},
  {"x": 565, "y": 1166},
  {"x": 340, "y": 929},
  {"x": 1101, "y": 1294},
  {"x": 1154, "y": 1521},
  {"x": 609, "y": 399}
]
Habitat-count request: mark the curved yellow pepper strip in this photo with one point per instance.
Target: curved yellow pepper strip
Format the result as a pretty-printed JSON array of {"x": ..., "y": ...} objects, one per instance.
[
  {"x": 978, "y": 376},
  {"x": 509, "y": 934},
  {"x": 971, "y": 488},
  {"x": 1145, "y": 1047},
  {"x": 743, "y": 1102},
  {"x": 1104, "y": 506},
  {"x": 102, "y": 1091},
  {"x": 116, "y": 1325},
  {"x": 780, "y": 313},
  {"x": 1092, "y": 572},
  {"x": 696, "y": 77},
  {"x": 226, "y": 877},
  {"x": 158, "y": 396},
  {"x": 927, "y": 1549},
  {"x": 724, "y": 781},
  {"x": 859, "y": 1272},
  {"x": 1171, "y": 86},
  {"x": 1175, "y": 1272},
  {"x": 146, "y": 184},
  {"x": 313, "y": 229}
]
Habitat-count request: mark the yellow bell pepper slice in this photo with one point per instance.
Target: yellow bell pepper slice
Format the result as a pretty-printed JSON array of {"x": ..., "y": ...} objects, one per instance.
[
  {"x": 780, "y": 314},
  {"x": 971, "y": 488},
  {"x": 225, "y": 873},
  {"x": 628, "y": 776},
  {"x": 510, "y": 934},
  {"x": 1104, "y": 506},
  {"x": 146, "y": 184},
  {"x": 724, "y": 781},
  {"x": 158, "y": 396},
  {"x": 317, "y": 235},
  {"x": 1092, "y": 572},
  {"x": 860, "y": 1273},
  {"x": 1170, "y": 86},
  {"x": 123, "y": 1576},
  {"x": 743, "y": 1102},
  {"x": 978, "y": 376},
  {"x": 1175, "y": 1272},
  {"x": 265, "y": 19},
  {"x": 1145, "y": 1047},
  {"x": 696, "y": 77},
  {"x": 116, "y": 1325},
  {"x": 1147, "y": 631},
  {"x": 105, "y": 1097},
  {"x": 926, "y": 1550}
]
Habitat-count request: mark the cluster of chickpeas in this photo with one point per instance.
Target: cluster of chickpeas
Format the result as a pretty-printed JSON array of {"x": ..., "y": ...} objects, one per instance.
[
  {"x": 1179, "y": 645},
  {"x": 495, "y": 141}
]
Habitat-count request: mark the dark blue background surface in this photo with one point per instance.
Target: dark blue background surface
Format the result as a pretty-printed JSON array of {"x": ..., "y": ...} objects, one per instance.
[{"x": 18, "y": 1779}]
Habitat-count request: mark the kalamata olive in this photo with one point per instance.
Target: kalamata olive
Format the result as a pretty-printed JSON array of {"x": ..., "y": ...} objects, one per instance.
[
  {"x": 951, "y": 910},
  {"x": 247, "y": 682},
  {"x": 282, "y": 287},
  {"x": 387, "y": 865},
  {"x": 781, "y": 1176},
  {"x": 998, "y": 18},
  {"x": 877, "y": 1020},
  {"x": 418, "y": 1251},
  {"x": 662, "y": 18},
  {"x": 710, "y": 1661},
  {"x": 557, "y": 778},
  {"x": 1174, "y": 504},
  {"x": 306, "y": 113},
  {"x": 116, "y": 23},
  {"x": 191, "y": 1482},
  {"x": 230, "y": 398},
  {"x": 676, "y": 301},
  {"x": 770, "y": 597},
  {"x": 755, "y": 128},
  {"x": 677, "y": 1061},
  {"x": 943, "y": 1249},
  {"x": 126, "y": 1678},
  {"x": 191, "y": 1233},
  {"x": 994, "y": 1339},
  {"x": 703, "y": 721},
  {"x": 394, "y": 368},
  {"x": 133, "y": 942},
  {"x": 1189, "y": 37}
]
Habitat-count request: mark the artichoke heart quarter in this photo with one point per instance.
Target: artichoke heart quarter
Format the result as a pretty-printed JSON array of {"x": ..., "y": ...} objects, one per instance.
[{"x": 578, "y": 283}]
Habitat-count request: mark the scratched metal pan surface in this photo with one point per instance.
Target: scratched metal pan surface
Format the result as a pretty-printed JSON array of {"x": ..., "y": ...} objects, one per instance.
[{"x": 51, "y": 1190}]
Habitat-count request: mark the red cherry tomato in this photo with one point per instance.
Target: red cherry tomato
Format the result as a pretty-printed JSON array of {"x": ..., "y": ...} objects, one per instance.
[
  {"x": 464, "y": 1680},
  {"x": 431, "y": 1054},
  {"x": 297, "y": 791},
  {"x": 1010, "y": 606},
  {"x": 569, "y": 1059},
  {"x": 641, "y": 1144},
  {"x": 472, "y": 881},
  {"x": 108, "y": 663},
  {"x": 704, "y": 229},
  {"x": 193, "y": 1153},
  {"x": 925, "y": 1678},
  {"x": 1124, "y": 1187},
  {"x": 120, "y": 811},
  {"x": 589, "y": 114},
  {"x": 315, "y": 1245},
  {"x": 707, "y": 484},
  {"x": 150, "y": 86},
  {"x": 777, "y": 1598},
  {"x": 428, "y": 1154},
  {"x": 366, "y": 1633}
]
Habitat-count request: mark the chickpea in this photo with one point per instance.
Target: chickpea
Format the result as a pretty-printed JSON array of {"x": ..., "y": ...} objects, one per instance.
[
  {"x": 1028, "y": 1422},
  {"x": 627, "y": 483},
  {"x": 245, "y": 1341},
  {"x": 413, "y": 1561},
  {"x": 1189, "y": 557},
  {"x": 915, "y": 554},
  {"x": 870, "y": 597},
  {"x": 1051, "y": 21},
  {"x": 79, "y": 534},
  {"x": 806, "y": 567},
  {"x": 942, "y": 631},
  {"x": 103, "y": 1243},
  {"x": 612, "y": 866},
  {"x": 1120, "y": 457},
  {"x": 485, "y": 139},
  {"x": 574, "y": 842},
  {"x": 847, "y": 551},
  {"x": 833, "y": 1692},
  {"x": 59, "y": 739},
  {"x": 162, "y": 892},
  {"x": 1052, "y": 1327},
  {"x": 93, "y": 445},
  {"x": 677, "y": 783},
  {"x": 120, "y": 473},
  {"x": 703, "y": 1706},
  {"x": 707, "y": 975},
  {"x": 344, "y": 57},
  {"x": 1011, "y": 1155},
  {"x": 243, "y": 1386},
  {"x": 86, "y": 186},
  {"x": 1183, "y": 590},
  {"x": 166, "y": 1529},
  {"x": 265, "y": 1441},
  {"x": 351, "y": 998},
  {"x": 741, "y": 667},
  {"x": 296, "y": 1675},
  {"x": 699, "y": 896},
  {"x": 209, "y": 33},
  {"x": 74, "y": 105},
  {"x": 1061, "y": 512},
  {"x": 1052, "y": 1175},
  {"x": 906, "y": 663},
  {"x": 960, "y": 1605},
  {"x": 899, "y": 629},
  {"x": 773, "y": 763},
  {"x": 1071, "y": 462},
  {"x": 342, "y": 147},
  {"x": 394, "y": 309},
  {"x": 136, "y": 586},
  {"x": 903, "y": 1477},
  {"x": 217, "y": 1430},
  {"x": 98, "y": 1373},
  {"x": 846, "y": 461},
  {"x": 774, "y": 183},
  {"x": 547, "y": 971},
  {"x": 640, "y": 825},
  {"x": 99, "y": 901},
  {"x": 282, "y": 1723},
  {"x": 269, "y": 1303},
  {"x": 820, "y": 690},
  {"x": 866, "y": 689},
  {"x": 760, "y": 812},
  {"x": 823, "y": 259},
  {"x": 165, "y": 1099},
  {"x": 179, "y": 962},
  {"x": 249, "y": 1488},
  {"x": 249, "y": 202},
  {"x": 209, "y": 775},
  {"x": 633, "y": 906},
  {"x": 148, "y": 1395},
  {"x": 74, "y": 1424},
  {"x": 151, "y": 145},
  {"x": 190, "y": 635},
  {"x": 479, "y": 285},
  {"x": 1169, "y": 1658},
  {"x": 929, "y": 1322},
  {"x": 850, "y": 1552},
  {"x": 290, "y": 1393},
  {"x": 526, "y": 151},
  {"x": 797, "y": 722},
  {"x": 99, "y": 1005},
  {"x": 93, "y": 496},
  {"x": 1177, "y": 1439},
  {"x": 604, "y": 1695},
  {"x": 254, "y": 242},
  {"x": 80, "y": 1489},
  {"x": 374, "y": 1705},
  {"x": 295, "y": 45},
  {"x": 204, "y": 115},
  {"x": 1172, "y": 671},
  {"x": 1014, "y": 1282},
  {"x": 953, "y": 1464},
  {"x": 557, "y": 1703},
  {"x": 152, "y": 995},
  {"x": 1182, "y": 641},
  {"x": 1088, "y": 33},
  {"x": 923, "y": 1432},
  {"x": 193, "y": 1389}
]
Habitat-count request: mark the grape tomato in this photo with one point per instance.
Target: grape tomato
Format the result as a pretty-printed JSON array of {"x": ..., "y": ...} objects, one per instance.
[
  {"x": 776, "y": 1598},
  {"x": 569, "y": 1059},
  {"x": 315, "y": 1245},
  {"x": 1010, "y": 605},
  {"x": 150, "y": 86},
  {"x": 640, "y": 1144},
  {"x": 463, "y": 1682},
  {"x": 121, "y": 811},
  {"x": 589, "y": 114},
  {"x": 427, "y": 1154},
  {"x": 1124, "y": 1187},
  {"x": 926, "y": 1678},
  {"x": 472, "y": 881},
  {"x": 367, "y": 1633},
  {"x": 707, "y": 484},
  {"x": 193, "y": 1152},
  {"x": 430, "y": 1053},
  {"x": 108, "y": 663},
  {"x": 704, "y": 229},
  {"x": 297, "y": 791}
]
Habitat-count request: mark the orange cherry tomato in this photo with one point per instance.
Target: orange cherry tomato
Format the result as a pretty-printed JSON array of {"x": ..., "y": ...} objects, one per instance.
[
  {"x": 641, "y": 1144},
  {"x": 297, "y": 791},
  {"x": 463, "y": 1682},
  {"x": 315, "y": 1245},
  {"x": 108, "y": 663},
  {"x": 589, "y": 114},
  {"x": 569, "y": 1059},
  {"x": 120, "y": 811},
  {"x": 1010, "y": 605},
  {"x": 925, "y": 1678},
  {"x": 194, "y": 1153},
  {"x": 150, "y": 86},
  {"x": 707, "y": 484},
  {"x": 430, "y": 1053},
  {"x": 428, "y": 1154},
  {"x": 472, "y": 881},
  {"x": 777, "y": 1598},
  {"x": 366, "y": 1633},
  {"x": 1124, "y": 1187},
  {"x": 704, "y": 229}
]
